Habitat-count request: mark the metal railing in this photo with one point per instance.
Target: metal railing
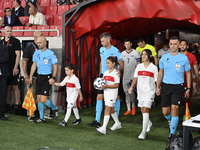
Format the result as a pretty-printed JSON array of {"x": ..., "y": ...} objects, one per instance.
[{"x": 58, "y": 32}]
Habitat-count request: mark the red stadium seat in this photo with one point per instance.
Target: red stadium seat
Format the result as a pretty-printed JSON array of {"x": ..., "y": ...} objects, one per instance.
[
  {"x": 23, "y": 3},
  {"x": 71, "y": 6},
  {"x": 44, "y": 2},
  {"x": 43, "y": 10},
  {"x": 27, "y": 33},
  {"x": 18, "y": 34},
  {"x": 49, "y": 19},
  {"x": 1, "y": 5},
  {"x": 62, "y": 9},
  {"x": 2, "y": 12},
  {"x": 52, "y": 10},
  {"x": 24, "y": 20},
  {"x": 54, "y": 33},
  {"x": 7, "y": 4},
  {"x": 53, "y": 2},
  {"x": 58, "y": 20},
  {"x": 45, "y": 33}
]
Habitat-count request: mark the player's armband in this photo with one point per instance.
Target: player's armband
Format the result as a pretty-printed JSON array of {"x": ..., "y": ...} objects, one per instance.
[{"x": 138, "y": 59}]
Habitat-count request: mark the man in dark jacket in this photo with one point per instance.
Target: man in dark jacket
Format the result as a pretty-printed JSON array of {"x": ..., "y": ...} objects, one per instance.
[
  {"x": 4, "y": 73},
  {"x": 11, "y": 19}
]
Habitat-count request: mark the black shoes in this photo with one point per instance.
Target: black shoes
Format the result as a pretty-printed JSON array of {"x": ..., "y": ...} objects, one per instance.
[
  {"x": 77, "y": 121},
  {"x": 55, "y": 114},
  {"x": 63, "y": 123},
  {"x": 3, "y": 118},
  {"x": 168, "y": 142},
  {"x": 39, "y": 121},
  {"x": 94, "y": 124}
]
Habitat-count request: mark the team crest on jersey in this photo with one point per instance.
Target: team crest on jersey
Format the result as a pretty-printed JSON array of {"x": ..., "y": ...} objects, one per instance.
[
  {"x": 46, "y": 61},
  {"x": 178, "y": 66}
]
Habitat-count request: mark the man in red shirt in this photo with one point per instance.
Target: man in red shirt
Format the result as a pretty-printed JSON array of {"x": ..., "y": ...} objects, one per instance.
[{"x": 193, "y": 64}]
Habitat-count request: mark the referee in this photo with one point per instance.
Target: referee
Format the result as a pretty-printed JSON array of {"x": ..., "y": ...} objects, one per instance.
[
  {"x": 172, "y": 66},
  {"x": 46, "y": 63}
]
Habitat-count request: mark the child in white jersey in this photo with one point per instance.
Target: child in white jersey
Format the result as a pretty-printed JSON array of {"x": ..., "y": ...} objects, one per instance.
[
  {"x": 73, "y": 88},
  {"x": 145, "y": 75},
  {"x": 110, "y": 95}
]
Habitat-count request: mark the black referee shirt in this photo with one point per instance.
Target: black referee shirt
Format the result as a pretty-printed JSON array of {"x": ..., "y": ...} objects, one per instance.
[{"x": 28, "y": 53}]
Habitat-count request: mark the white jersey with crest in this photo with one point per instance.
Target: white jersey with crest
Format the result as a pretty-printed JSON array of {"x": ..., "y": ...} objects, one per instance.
[
  {"x": 130, "y": 62},
  {"x": 110, "y": 95},
  {"x": 72, "y": 85},
  {"x": 146, "y": 86}
]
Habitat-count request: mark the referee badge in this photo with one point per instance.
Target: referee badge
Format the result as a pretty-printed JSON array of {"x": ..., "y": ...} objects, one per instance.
[
  {"x": 46, "y": 61},
  {"x": 178, "y": 66}
]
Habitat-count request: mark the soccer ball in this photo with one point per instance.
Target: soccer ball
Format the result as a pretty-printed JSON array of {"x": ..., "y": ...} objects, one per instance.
[
  {"x": 196, "y": 145},
  {"x": 176, "y": 144},
  {"x": 98, "y": 82}
]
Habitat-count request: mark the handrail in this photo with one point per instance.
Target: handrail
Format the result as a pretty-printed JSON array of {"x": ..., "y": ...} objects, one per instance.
[{"x": 58, "y": 32}]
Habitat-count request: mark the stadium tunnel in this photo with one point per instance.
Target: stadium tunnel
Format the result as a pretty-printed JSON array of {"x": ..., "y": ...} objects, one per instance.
[{"x": 84, "y": 23}]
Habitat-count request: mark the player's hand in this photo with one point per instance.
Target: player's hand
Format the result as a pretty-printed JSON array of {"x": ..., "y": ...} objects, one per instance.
[
  {"x": 130, "y": 90},
  {"x": 15, "y": 71},
  {"x": 187, "y": 93},
  {"x": 81, "y": 98},
  {"x": 104, "y": 86},
  {"x": 51, "y": 81},
  {"x": 27, "y": 81},
  {"x": 158, "y": 91},
  {"x": 197, "y": 86},
  {"x": 30, "y": 80},
  {"x": 118, "y": 73}
]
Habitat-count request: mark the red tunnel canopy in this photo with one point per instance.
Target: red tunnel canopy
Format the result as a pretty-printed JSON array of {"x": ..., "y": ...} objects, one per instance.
[{"x": 136, "y": 18}]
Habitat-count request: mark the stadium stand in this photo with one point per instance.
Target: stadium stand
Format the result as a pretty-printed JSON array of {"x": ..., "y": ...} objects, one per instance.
[
  {"x": 52, "y": 13},
  {"x": 58, "y": 20},
  {"x": 18, "y": 34},
  {"x": 49, "y": 19},
  {"x": 7, "y": 4},
  {"x": 63, "y": 8},
  {"x": 52, "y": 10},
  {"x": 24, "y": 20},
  {"x": 45, "y": 33},
  {"x": 54, "y": 33},
  {"x": 27, "y": 34},
  {"x": 45, "y": 3}
]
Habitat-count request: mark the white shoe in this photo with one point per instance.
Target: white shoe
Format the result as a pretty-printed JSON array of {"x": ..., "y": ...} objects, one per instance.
[
  {"x": 149, "y": 126},
  {"x": 142, "y": 136},
  {"x": 101, "y": 130},
  {"x": 116, "y": 126}
]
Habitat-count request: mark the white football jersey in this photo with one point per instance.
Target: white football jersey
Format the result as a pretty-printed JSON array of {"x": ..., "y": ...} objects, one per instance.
[
  {"x": 72, "y": 85},
  {"x": 110, "y": 95},
  {"x": 146, "y": 86},
  {"x": 130, "y": 62}
]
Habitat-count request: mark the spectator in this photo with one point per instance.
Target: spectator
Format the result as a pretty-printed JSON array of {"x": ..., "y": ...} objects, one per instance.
[
  {"x": 31, "y": 3},
  {"x": 165, "y": 49},
  {"x": 61, "y": 2},
  {"x": 18, "y": 10},
  {"x": 10, "y": 19},
  {"x": 1, "y": 22},
  {"x": 36, "y": 18}
]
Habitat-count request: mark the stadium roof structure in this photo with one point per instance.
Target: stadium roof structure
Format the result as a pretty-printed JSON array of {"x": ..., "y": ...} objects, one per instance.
[{"x": 122, "y": 19}]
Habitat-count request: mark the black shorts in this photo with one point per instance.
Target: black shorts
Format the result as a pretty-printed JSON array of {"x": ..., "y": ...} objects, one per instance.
[
  {"x": 13, "y": 80},
  {"x": 42, "y": 85},
  {"x": 172, "y": 94}
]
